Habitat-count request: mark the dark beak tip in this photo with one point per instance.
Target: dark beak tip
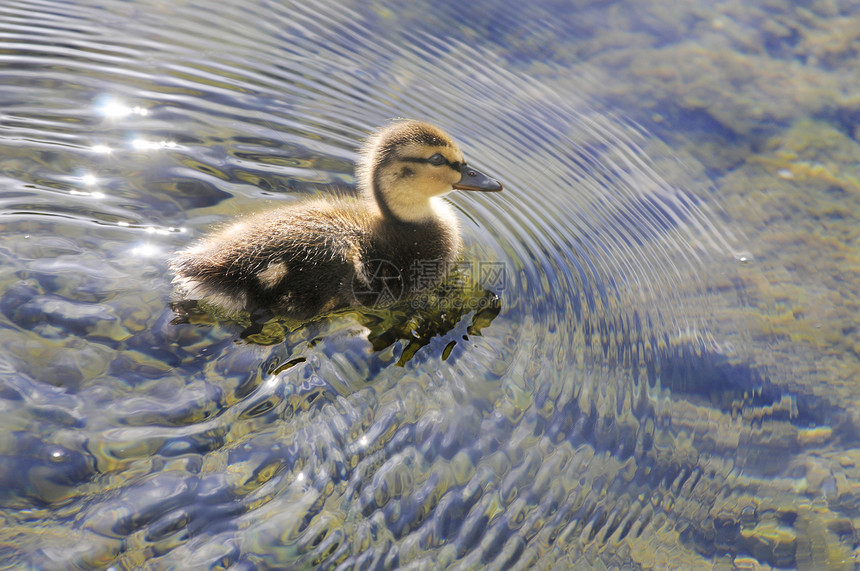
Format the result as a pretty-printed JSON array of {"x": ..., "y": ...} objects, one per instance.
[
  {"x": 495, "y": 186},
  {"x": 472, "y": 179}
]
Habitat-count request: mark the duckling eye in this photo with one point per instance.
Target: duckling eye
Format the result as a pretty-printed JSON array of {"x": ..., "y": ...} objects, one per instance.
[{"x": 437, "y": 160}]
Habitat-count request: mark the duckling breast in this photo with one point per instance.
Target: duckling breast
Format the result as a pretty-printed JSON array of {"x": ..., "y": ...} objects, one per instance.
[{"x": 420, "y": 252}]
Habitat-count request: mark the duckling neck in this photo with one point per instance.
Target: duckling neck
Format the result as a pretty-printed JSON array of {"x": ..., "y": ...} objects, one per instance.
[
  {"x": 415, "y": 209},
  {"x": 432, "y": 235}
]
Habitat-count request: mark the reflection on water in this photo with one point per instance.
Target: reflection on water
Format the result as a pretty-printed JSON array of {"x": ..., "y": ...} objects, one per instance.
[{"x": 640, "y": 392}]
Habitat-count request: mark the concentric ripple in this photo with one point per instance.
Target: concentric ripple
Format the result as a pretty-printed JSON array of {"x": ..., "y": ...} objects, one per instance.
[{"x": 611, "y": 412}]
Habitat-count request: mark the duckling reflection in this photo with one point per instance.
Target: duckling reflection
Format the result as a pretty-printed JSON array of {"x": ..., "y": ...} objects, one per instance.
[{"x": 303, "y": 260}]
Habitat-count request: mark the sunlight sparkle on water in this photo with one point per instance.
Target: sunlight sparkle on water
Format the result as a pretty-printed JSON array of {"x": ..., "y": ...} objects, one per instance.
[
  {"x": 273, "y": 379},
  {"x": 144, "y": 145},
  {"x": 101, "y": 149},
  {"x": 162, "y": 231},
  {"x": 145, "y": 250},
  {"x": 95, "y": 194},
  {"x": 115, "y": 109}
]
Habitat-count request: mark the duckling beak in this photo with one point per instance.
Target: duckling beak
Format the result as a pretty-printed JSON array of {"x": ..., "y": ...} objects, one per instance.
[{"x": 472, "y": 179}]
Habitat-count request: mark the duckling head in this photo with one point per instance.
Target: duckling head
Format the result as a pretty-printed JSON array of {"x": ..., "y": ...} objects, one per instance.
[{"x": 406, "y": 166}]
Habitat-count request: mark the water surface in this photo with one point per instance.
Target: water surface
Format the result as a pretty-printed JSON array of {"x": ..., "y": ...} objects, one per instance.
[{"x": 668, "y": 377}]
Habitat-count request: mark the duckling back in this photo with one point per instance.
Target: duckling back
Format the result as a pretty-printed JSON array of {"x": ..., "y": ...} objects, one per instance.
[
  {"x": 297, "y": 261},
  {"x": 303, "y": 260}
]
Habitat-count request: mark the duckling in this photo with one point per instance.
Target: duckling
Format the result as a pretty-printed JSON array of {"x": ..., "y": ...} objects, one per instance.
[{"x": 306, "y": 259}]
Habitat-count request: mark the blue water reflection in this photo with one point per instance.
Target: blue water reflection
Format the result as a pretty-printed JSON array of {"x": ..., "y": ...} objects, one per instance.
[{"x": 664, "y": 378}]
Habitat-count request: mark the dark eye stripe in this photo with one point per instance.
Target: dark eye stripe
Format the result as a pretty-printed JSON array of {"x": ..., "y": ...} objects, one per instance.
[{"x": 455, "y": 165}]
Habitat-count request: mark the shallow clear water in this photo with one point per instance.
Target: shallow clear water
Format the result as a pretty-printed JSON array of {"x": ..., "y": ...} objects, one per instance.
[{"x": 670, "y": 379}]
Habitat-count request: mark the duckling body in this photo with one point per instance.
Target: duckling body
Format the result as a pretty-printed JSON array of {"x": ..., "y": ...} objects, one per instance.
[{"x": 302, "y": 260}]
